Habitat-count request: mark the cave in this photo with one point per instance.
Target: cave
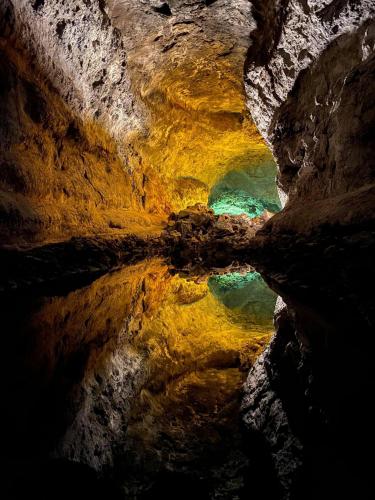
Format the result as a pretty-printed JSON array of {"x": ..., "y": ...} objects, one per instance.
[{"x": 187, "y": 236}]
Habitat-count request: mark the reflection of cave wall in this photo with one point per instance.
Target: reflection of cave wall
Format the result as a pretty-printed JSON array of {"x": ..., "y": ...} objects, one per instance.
[
  {"x": 249, "y": 191},
  {"x": 184, "y": 425},
  {"x": 67, "y": 349},
  {"x": 136, "y": 346},
  {"x": 247, "y": 295}
]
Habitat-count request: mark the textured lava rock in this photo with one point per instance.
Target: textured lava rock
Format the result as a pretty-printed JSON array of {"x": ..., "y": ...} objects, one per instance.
[
  {"x": 319, "y": 128},
  {"x": 309, "y": 78},
  {"x": 117, "y": 113},
  {"x": 103, "y": 370},
  {"x": 195, "y": 235},
  {"x": 61, "y": 171},
  {"x": 307, "y": 396}
]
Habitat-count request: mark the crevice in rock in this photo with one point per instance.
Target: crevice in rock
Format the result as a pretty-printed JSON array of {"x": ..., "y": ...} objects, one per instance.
[{"x": 163, "y": 9}]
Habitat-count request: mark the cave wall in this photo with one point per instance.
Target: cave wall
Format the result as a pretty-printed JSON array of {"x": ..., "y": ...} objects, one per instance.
[
  {"x": 309, "y": 75},
  {"x": 187, "y": 67},
  {"x": 62, "y": 171},
  {"x": 310, "y": 84},
  {"x": 103, "y": 370},
  {"x": 60, "y": 176},
  {"x": 117, "y": 113}
]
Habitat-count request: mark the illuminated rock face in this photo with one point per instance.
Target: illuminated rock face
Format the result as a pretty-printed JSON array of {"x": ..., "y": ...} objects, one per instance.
[
  {"x": 118, "y": 113},
  {"x": 251, "y": 190},
  {"x": 62, "y": 172},
  {"x": 188, "y": 69}
]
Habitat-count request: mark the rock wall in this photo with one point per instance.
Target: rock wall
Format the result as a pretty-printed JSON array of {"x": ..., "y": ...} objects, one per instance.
[
  {"x": 187, "y": 66},
  {"x": 62, "y": 172},
  {"x": 310, "y": 83},
  {"x": 118, "y": 112},
  {"x": 120, "y": 377},
  {"x": 309, "y": 77}
]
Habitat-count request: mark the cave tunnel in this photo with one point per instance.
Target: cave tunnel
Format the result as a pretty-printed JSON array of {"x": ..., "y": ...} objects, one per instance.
[{"x": 186, "y": 249}]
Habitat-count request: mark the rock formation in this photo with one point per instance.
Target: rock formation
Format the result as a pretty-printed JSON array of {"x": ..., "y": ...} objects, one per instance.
[
  {"x": 319, "y": 127},
  {"x": 104, "y": 369},
  {"x": 196, "y": 236},
  {"x": 61, "y": 170},
  {"x": 117, "y": 113},
  {"x": 309, "y": 78}
]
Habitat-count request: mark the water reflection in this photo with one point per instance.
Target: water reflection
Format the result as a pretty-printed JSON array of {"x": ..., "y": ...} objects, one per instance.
[
  {"x": 137, "y": 375},
  {"x": 247, "y": 296}
]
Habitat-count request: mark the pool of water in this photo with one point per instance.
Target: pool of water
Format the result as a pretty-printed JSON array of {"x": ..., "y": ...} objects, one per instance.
[{"x": 136, "y": 376}]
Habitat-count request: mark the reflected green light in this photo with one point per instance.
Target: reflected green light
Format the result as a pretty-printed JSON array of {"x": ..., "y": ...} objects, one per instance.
[
  {"x": 226, "y": 282},
  {"x": 247, "y": 296}
]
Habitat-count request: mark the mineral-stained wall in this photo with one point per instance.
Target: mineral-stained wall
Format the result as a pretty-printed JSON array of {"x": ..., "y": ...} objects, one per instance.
[
  {"x": 188, "y": 68},
  {"x": 61, "y": 171},
  {"x": 115, "y": 113}
]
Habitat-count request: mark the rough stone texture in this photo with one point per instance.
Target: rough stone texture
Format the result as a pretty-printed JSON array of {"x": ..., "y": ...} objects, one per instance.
[
  {"x": 119, "y": 376},
  {"x": 196, "y": 235},
  {"x": 66, "y": 348},
  {"x": 310, "y": 82},
  {"x": 263, "y": 411},
  {"x": 309, "y": 77},
  {"x": 186, "y": 66},
  {"x": 319, "y": 127},
  {"x": 76, "y": 48},
  {"x": 118, "y": 112},
  {"x": 63, "y": 171},
  {"x": 316, "y": 376}
]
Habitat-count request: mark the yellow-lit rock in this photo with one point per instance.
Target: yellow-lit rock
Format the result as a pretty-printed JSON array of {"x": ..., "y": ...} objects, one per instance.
[
  {"x": 191, "y": 329},
  {"x": 110, "y": 134},
  {"x": 60, "y": 175},
  {"x": 198, "y": 126}
]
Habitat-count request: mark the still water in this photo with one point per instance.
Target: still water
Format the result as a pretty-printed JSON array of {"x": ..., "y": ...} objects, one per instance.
[{"x": 137, "y": 376}]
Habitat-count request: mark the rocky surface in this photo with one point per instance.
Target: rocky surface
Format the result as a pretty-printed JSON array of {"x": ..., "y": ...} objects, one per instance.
[
  {"x": 319, "y": 129},
  {"x": 187, "y": 67},
  {"x": 309, "y": 78},
  {"x": 196, "y": 235},
  {"x": 77, "y": 377},
  {"x": 107, "y": 128},
  {"x": 104, "y": 369},
  {"x": 62, "y": 172},
  {"x": 193, "y": 238},
  {"x": 117, "y": 113},
  {"x": 313, "y": 382}
]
